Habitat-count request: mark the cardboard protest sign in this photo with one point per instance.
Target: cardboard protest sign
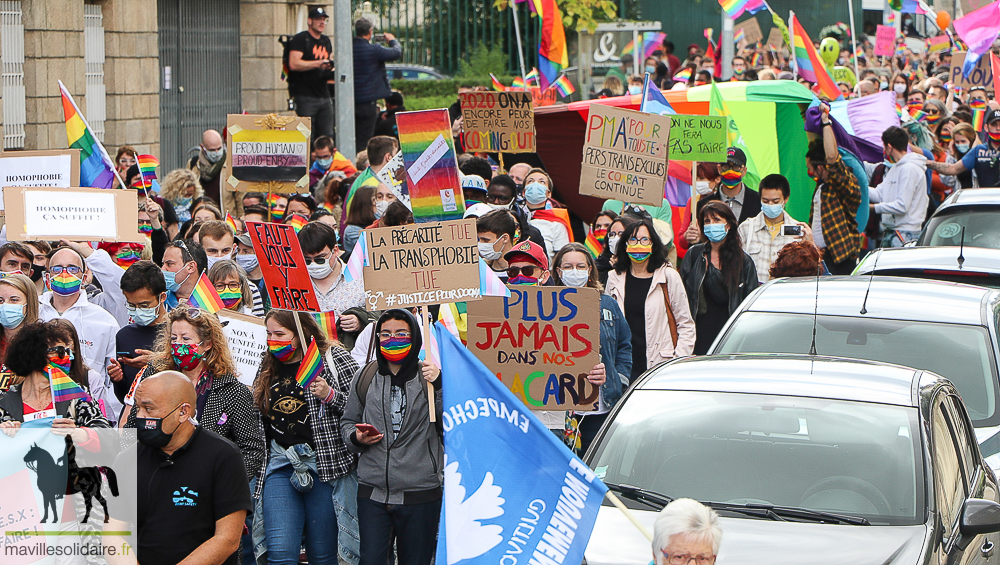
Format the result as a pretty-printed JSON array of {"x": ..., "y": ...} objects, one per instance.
[
  {"x": 542, "y": 343},
  {"x": 751, "y": 30},
  {"x": 431, "y": 166},
  {"x": 393, "y": 175},
  {"x": 498, "y": 121},
  {"x": 247, "y": 340},
  {"x": 40, "y": 168},
  {"x": 76, "y": 214},
  {"x": 885, "y": 41},
  {"x": 267, "y": 153},
  {"x": 698, "y": 138},
  {"x": 775, "y": 39},
  {"x": 625, "y": 155},
  {"x": 283, "y": 266},
  {"x": 540, "y": 98},
  {"x": 416, "y": 264},
  {"x": 981, "y": 75}
]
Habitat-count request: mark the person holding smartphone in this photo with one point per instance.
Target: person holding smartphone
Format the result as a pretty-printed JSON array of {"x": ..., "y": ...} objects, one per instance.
[{"x": 765, "y": 234}]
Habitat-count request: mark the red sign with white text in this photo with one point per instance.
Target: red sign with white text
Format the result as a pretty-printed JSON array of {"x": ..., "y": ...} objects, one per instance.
[{"x": 283, "y": 266}]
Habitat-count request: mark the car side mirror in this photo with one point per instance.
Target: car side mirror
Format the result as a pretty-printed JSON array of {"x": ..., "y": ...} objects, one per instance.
[{"x": 980, "y": 517}]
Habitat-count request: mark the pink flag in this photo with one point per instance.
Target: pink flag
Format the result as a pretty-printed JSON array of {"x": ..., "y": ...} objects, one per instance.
[
  {"x": 358, "y": 260},
  {"x": 489, "y": 283},
  {"x": 978, "y": 29}
]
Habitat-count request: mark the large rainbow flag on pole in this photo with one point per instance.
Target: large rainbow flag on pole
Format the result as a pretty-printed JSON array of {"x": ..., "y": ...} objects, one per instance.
[
  {"x": 552, "y": 54},
  {"x": 97, "y": 170},
  {"x": 807, "y": 63}
]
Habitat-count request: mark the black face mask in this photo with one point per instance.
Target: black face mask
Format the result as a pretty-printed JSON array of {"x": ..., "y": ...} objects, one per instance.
[
  {"x": 149, "y": 431},
  {"x": 36, "y": 272}
]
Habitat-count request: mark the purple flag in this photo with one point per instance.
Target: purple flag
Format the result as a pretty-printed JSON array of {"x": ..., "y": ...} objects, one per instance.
[
  {"x": 978, "y": 29},
  {"x": 864, "y": 150}
]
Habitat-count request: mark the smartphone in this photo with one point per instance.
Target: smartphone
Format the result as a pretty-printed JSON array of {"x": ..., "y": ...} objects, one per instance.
[
  {"x": 379, "y": 37},
  {"x": 791, "y": 230},
  {"x": 367, "y": 429},
  {"x": 127, "y": 354}
]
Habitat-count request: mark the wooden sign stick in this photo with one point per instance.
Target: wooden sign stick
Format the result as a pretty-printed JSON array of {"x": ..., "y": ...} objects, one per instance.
[{"x": 425, "y": 316}]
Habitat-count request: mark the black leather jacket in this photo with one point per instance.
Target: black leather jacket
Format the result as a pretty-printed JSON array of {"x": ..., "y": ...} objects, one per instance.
[{"x": 693, "y": 271}]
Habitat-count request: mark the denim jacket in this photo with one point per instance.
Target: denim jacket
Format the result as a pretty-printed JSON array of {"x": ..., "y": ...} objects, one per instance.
[{"x": 616, "y": 350}]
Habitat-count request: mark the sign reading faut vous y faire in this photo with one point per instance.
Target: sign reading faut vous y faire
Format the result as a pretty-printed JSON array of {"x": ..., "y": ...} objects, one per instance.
[{"x": 625, "y": 155}]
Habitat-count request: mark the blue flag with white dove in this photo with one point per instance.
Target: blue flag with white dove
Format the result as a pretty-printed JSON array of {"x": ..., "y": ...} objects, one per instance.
[{"x": 512, "y": 491}]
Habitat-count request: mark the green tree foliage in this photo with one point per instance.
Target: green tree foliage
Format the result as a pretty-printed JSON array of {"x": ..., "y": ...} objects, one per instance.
[
  {"x": 483, "y": 61},
  {"x": 578, "y": 14}
]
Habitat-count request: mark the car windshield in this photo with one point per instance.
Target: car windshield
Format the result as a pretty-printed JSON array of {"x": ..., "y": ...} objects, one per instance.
[
  {"x": 854, "y": 458},
  {"x": 962, "y": 353},
  {"x": 981, "y": 229}
]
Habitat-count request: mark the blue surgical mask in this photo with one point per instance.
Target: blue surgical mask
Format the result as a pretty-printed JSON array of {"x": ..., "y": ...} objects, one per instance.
[
  {"x": 325, "y": 163},
  {"x": 715, "y": 232},
  {"x": 535, "y": 193},
  {"x": 651, "y": 70},
  {"x": 183, "y": 202},
  {"x": 635, "y": 89},
  {"x": 772, "y": 210},
  {"x": 171, "y": 279},
  {"x": 144, "y": 316},
  {"x": 887, "y": 163},
  {"x": 962, "y": 148},
  {"x": 11, "y": 315}
]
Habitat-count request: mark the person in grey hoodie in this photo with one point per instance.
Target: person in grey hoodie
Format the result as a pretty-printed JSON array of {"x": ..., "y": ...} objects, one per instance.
[
  {"x": 902, "y": 197},
  {"x": 386, "y": 421}
]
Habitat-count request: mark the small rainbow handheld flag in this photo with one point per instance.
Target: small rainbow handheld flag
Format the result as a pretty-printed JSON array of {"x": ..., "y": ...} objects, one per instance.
[
  {"x": 532, "y": 77},
  {"x": 311, "y": 366},
  {"x": 497, "y": 85},
  {"x": 327, "y": 322},
  {"x": 296, "y": 221},
  {"x": 231, "y": 222},
  {"x": 740, "y": 35},
  {"x": 147, "y": 166},
  {"x": 518, "y": 82},
  {"x": 564, "y": 86},
  {"x": 593, "y": 245},
  {"x": 978, "y": 117},
  {"x": 63, "y": 387},
  {"x": 755, "y": 60},
  {"x": 683, "y": 75},
  {"x": 205, "y": 297}
]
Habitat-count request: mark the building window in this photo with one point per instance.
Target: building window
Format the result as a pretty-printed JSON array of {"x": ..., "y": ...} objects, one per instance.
[
  {"x": 93, "y": 58},
  {"x": 12, "y": 70}
]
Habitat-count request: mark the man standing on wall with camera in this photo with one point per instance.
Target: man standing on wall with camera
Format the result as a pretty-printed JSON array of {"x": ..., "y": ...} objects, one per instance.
[
  {"x": 370, "y": 80},
  {"x": 309, "y": 67}
]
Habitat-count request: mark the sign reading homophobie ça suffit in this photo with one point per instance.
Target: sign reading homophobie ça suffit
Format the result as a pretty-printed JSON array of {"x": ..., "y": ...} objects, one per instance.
[
  {"x": 698, "y": 138},
  {"x": 247, "y": 340},
  {"x": 40, "y": 168},
  {"x": 76, "y": 214},
  {"x": 283, "y": 266},
  {"x": 267, "y": 153},
  {"x": 418, "y": 264},
  {"x": 498, "y": 121},
  {"x": 542, "y": 342},
  {"x": 625, "y": 155}
]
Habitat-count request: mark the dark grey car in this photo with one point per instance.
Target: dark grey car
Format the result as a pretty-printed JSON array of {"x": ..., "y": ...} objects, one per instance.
[{"x": 807, "y": 460}]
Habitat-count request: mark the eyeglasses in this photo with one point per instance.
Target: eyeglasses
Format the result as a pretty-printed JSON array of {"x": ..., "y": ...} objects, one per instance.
[
  {"x": 318, "y": 260},
  {"x": 934, "y": 112},
  {"x": 615, "y": 233},
  {"x": 639, "y": 241},
  {"x": 59, "y": 351},
  {"x": 528, "y": 271},
  {"x": 398, "y": 335},
  {"x": 233, "y": 287},
  {"x": 58, "y": 269},
  {"x": 687, "y": 559}
]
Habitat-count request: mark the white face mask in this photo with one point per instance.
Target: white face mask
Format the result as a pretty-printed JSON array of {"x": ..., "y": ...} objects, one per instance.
[
  {"x": 575, "y": 277},
  {"x": 488, "y": 251},
  {"x": 703, "y": 188},
  {"x": 213, "y": 260},
  {"x": 320, "y": 272},
  {"x": 899, "y": 88},
  {"x": 380, "y": 207},
  {"x": 613, "y": 243}
]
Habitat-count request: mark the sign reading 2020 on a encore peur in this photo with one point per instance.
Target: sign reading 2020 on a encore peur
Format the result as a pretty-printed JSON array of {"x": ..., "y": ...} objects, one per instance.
[{"x": 625, "y": 155}]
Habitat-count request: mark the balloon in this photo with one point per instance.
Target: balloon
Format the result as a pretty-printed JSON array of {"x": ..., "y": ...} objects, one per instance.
[
  {"x": 943, "y": 20},
  {"x": 829, "y": 51}
]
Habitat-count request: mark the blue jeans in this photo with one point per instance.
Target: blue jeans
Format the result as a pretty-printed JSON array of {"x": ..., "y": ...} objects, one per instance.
[
  {"x": 413, "y": 526},
  {"x": 897, "y": 238},
  {"x": 290, "y": 515},
  {"x": 246, "y": 540},
  {"x": 345, "y": 502}
]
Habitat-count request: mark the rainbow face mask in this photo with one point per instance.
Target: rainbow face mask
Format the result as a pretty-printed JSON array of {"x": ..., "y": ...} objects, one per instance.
[
  {"x": 395, "y": 349},
  {"x": 945, "y": 137},
  {"x": 61, "y": 363},
  {"x": 65, "y": 284},
  {"x": 231, "y": 298},
  {"x": 639, "y": 253},
  {"x": 995, "y": 137},
  {"x": 126, "y": 257},
  {"x": 282, "y": 350},
  {"x": 145, "y": 229},
  {"x": 731, "y": 178},
  {"x": 932, "y": 119},
  {"x": 977, "y": 104}
]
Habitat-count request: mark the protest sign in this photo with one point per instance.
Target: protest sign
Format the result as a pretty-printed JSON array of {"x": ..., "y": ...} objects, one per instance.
[
  {"x": 267, "y": 153},
  {"x": 625, "y": 155},
  {"x": 431, "y": 167},
  {"x": 418, "y": 264},
  {"x": 981, "y": 75},
  {"x": 40, "y": 168},
  {"x": 283, "y": 266},
  {"x": 973, "y": 5},
  {"x": 885, "y": 41},
  {"x": 775, "y": 39},
  {"x": 698, "y": 138},
  {"x": 498, "y": 121},
  {"x": 539, "y": 97},
  {"x": 751, "y": 30},
  {"x": 939, "y": 43},
  {"x": 76, "y": 214},
  {"x": 393, "y": 175},
  {"x": 541, "y": 342},
  {"x": 247, "y": 340}
]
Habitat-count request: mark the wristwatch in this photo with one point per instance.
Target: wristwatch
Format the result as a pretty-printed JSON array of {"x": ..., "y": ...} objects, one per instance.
[{"x": 826, "y": 123}]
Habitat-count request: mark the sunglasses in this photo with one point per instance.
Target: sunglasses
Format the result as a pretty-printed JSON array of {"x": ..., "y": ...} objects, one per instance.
[
  {"x": 186, "y": 312},
  {"x": 318, "y": 260},
  {"x": 528, "y": 271},
  {"x": 59, "y": 351}
]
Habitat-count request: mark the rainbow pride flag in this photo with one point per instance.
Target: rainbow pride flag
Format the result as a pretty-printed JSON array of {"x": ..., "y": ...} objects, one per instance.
[
  {"x": 297, "y": 222},
  {"x": 531, "y": 79},
  {"x": 564, "y": 86},
  {"x": 231, "y": 222},
  {"x": 552, "y": 54},
  {"x": 63, "y": 387},
  {"x": 651, "y": 41},
  {"x": 311, "y": 366},
  {"x": 205, "y": 297},
  {"x": 497, "y": 85},
  {"x": 97, "y": 170},
  {"x": 740, "y": 35},
  {"x": 593, "y": 245},
  {"x": 978, "y": 118},
  {"x": 518, "y": 82},
  {"x": 808, "y": 64},
  {"x": 683, "y": 75},
  {"x": 735, "y": 8},
  {"x": 431, "y": 169},
  {"x": 327, "y": 322}
]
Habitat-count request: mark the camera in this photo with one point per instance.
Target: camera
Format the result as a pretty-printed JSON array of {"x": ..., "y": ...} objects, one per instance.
[
  {"x": 380, "y": 37},
  {"x": 795, "y": 230}
]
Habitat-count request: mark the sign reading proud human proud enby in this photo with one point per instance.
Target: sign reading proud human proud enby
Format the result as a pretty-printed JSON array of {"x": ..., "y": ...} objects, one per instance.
[
  {"x": 267, "y": 153},
  {"x": 419, "y": 264},
  {"x": 283, "y": 266},
  {"x": 498, "y": 121},
  {"x": 541, "y": 342},
  {"x": 625, "y": 155},
  {"x": 76, "y": 214}
]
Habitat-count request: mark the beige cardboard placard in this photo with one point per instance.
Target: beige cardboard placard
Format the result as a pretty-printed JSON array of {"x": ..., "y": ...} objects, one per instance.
[
  {"x": 417, "y": 264},
  {"x": 40, "y": 168},
  {"x": 76, "y": 214},
  {"x": 775, "y": 39},
  {"x": 541, "y": 342},
  {"x": 981, "y": 75},
  {"x": 267, "y": 153},
  {"x": 498, "y": 121},
  {"x": 752, "y": 30},
  {"x": 247, "y": 340},
  {"x": 625, "y": 155}
]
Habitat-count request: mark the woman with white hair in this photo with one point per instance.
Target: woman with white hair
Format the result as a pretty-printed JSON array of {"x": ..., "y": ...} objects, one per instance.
[{"x": 685, "y": 532}]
